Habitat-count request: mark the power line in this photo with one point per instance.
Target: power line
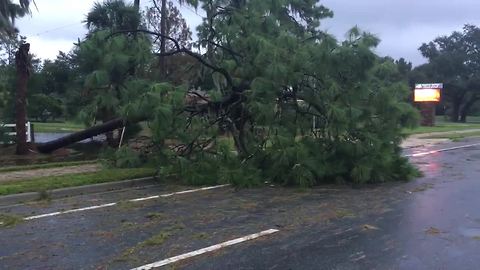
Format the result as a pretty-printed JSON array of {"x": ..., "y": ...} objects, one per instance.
[
  {"x": 77, "y": 23},
  {"x": 56, "y": 29}
]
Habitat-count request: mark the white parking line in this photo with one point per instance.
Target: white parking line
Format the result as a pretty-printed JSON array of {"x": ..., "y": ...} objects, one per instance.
[
  {"x": 115, "y": 203},
  {"x": 442, "y": 150},
  {"x": 71, "y": 211},
  {"x": 205, "y": 250},
  {"x": 177, "y": 193}
]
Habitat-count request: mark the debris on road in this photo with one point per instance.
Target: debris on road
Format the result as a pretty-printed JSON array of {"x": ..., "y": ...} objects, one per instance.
[
  {"x": 368, "y": 227},
  {"x": 433, "y": 231}
]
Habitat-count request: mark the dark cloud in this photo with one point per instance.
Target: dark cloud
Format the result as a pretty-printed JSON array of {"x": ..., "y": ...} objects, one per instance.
[{"x": 402, "y": 25}]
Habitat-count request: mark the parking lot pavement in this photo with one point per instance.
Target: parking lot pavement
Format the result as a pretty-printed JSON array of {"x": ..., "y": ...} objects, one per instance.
[{"x": 424, "y": 224}]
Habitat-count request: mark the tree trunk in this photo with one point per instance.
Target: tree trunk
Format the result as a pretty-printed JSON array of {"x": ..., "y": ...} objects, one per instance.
[
  {"x": 81, "y": 135},
  {"x": 163, "y": 41},
  {"x": 110, "y": 138},
  {"x": 22, "y": 61},
  {"x": 463, "y": 117},
  {"x": 455, "y": 111},
  {"x": 466, "y": 109},
  {"x": 137, "y": 4},
  {"x": 210, "y": 11}
]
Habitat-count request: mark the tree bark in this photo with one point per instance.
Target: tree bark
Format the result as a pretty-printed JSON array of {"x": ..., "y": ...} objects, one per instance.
[
  {"x": 81, "y": 135},
  {"x": 210, "y": 11},
  {"x": 466, "y": 109},
  {"x": 163, "y": 41},
  {"x": 455, "y": 111},
  {"x": 22, "y": 61}
]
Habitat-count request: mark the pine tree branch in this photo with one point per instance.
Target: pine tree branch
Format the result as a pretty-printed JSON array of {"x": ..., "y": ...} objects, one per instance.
[
  {"x": 180, "y": 49},
  {"x": 229, "y": 50},
  {"x": 120, "y": 32}
]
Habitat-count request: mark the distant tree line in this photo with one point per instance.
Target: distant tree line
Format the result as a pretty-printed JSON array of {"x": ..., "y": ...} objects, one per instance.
[{"x": 453, "y": 60}]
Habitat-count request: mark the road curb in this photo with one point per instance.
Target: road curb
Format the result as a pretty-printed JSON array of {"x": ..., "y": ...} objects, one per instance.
[{"x": 75, "y": 191}]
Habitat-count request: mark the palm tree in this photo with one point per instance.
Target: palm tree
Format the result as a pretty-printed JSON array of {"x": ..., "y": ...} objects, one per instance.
[
  {"x": 113, "y": 15},
  {"x": 9, "y": 12}
]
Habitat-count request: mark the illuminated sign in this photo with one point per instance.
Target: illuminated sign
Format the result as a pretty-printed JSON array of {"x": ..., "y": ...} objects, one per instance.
[{"x": 428, "y": 92}]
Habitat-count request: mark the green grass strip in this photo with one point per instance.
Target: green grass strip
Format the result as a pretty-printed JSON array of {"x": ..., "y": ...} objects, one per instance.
[
  {"x": 47, "y": 165},
  {"x": 454, "y": 136},
  {"x": 441, "y": 128},
  {"x": 65, "y": 127},
  {"x": 73, "y": 180}
]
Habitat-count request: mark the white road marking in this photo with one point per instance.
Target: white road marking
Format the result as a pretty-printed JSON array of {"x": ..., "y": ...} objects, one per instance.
[
  {"x": 177, "y": 193},
  {"x": 442, "y": 150},
  {"x": 205, "y": 250},
  {"x": 115, "y": 203},
  {"x": 71, "y": 211},
  {"x": 146, "y": 198}
]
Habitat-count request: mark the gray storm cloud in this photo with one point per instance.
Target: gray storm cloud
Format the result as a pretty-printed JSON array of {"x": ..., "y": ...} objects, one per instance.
[{"x": 402, "y": 25}]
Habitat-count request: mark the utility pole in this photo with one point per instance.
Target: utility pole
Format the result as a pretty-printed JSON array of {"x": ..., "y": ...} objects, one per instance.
[{"x": 22, "y": 62}]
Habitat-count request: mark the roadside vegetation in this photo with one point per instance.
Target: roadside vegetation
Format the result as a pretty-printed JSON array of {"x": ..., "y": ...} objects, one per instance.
[
  {"x": 8, "y": 220},
  {"x": 46, "y": 165},
  {"x": 253, "y": 99},
  {"x": 443, "y": 125},
  {"x": 43, "y": 184},
  {"x": 455, "y": 136},
  {"x": 57, "y": 127}
]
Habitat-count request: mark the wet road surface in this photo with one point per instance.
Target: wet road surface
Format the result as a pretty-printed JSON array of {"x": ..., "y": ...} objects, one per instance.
[{"x": 430, "y": 223}]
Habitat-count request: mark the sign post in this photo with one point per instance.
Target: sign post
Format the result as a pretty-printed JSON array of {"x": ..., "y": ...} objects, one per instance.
[{"x": 428, "y": 96}]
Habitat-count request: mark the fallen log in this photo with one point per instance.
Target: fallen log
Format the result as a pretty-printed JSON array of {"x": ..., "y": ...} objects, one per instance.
[
  {"x": 111, "y": 125},
  {"x": 196, "y": 102}
]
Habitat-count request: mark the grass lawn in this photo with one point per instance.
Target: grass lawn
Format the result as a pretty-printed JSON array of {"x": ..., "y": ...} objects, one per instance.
[
  {"x": 46, "y": 165},
  {"x": 72, "y": 180},
  {"x": 57, "y": 127},
  {"x": 445, "y": 126},
  {"x": 455, "y": 136}
]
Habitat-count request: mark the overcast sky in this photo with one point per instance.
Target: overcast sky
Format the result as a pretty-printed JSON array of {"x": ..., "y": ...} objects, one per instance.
[{"x": 402, "y": 25}]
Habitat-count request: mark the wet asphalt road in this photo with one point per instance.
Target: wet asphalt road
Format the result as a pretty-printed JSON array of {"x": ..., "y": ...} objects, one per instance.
[{"x": 430, "y": 223}]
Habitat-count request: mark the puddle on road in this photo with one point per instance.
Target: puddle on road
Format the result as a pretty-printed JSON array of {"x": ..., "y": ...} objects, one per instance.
[
  {"x": 475, "y": 156},
  {"x": 470, "y": 232}
]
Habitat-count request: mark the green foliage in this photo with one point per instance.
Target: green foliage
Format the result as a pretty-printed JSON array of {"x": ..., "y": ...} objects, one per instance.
[
  {"x": 4, "y": 137},
  {"x": 41, "y": 106},
  {"x": 113, "y": 14},
  {"x": 9, "y": 11},
  {"x": 127, "y": 158},
  {"x": 454, "y": 61},
  {"x": 112, "y": 66},
  {"x": 280, "y": 101},
  {"x": 274, "y": 77},
  {"x": 210, "y": 169},
  {"x": 7, "y": 94},
  {"x": 121, "y": 158}
]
